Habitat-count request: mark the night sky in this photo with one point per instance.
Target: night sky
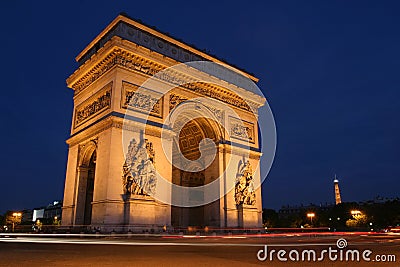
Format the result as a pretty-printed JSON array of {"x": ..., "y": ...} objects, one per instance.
[{"x": 329, "y": 69}]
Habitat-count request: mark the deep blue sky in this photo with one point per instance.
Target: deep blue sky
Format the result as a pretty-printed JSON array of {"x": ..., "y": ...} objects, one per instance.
[{"x": 330, "y": 71}]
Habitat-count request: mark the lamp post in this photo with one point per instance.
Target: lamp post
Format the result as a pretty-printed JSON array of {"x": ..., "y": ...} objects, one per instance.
[
  {"x": 16, "y": 216},
  {"x": 311, "y": 215}
]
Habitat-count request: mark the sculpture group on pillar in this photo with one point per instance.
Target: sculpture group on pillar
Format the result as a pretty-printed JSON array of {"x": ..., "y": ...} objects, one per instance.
[
  {"x": 244, "y": 186},
  {"x": 139, "y": 174}
]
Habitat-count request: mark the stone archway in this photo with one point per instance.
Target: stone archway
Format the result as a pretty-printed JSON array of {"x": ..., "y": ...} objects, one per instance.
[
  {"x": 188, "y": 141},
  {"x": 85, "y": 189},
  {"x": 115, "y": 94},
  {"x": 91, "y": 171}
]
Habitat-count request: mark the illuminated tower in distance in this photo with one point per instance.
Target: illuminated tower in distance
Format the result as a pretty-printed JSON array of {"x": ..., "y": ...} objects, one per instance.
[{"x": 337, "y": 191}]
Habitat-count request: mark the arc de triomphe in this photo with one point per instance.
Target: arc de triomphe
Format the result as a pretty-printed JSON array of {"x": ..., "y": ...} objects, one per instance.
[{"x": 162, "y": 135}]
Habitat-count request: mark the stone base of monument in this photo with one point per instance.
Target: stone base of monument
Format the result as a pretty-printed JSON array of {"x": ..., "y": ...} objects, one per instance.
[
  {"x": 248, "y": 216},
  {"x": 145, "y": 215},
  {"x": 135, "y": 214}
]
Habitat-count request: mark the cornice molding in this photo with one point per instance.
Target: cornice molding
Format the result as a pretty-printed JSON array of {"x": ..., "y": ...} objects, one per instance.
[
  {"x": 112, "y": 121},
  {"x": 234, "y": 149}
]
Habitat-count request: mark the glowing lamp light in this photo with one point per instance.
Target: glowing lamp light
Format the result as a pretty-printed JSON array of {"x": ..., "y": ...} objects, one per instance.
[
  {"x": 311, "y": 215},
  {"x": 355, "y": 212}
]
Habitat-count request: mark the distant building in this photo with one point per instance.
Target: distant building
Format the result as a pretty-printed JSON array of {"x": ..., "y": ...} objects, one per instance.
[
  {"x": 27, "y": 216},
  {"x": 53, "y": 210},
  {"x": 37, "y": 214},
  {"x": 47, "y": 213}
]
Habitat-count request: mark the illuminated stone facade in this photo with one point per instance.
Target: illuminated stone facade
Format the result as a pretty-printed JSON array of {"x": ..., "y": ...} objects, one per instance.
[{"x": 109, "y": 188}]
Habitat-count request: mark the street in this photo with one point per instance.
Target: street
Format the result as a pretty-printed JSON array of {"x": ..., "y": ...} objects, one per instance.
[{"x": 189, "y": 250}]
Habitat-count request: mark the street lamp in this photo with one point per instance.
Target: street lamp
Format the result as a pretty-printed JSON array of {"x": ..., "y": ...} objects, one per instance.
[
  {"x": 311, "y": 215},
  {"x": 355, "y": 212},
  {"x": 16, "y": 216}
]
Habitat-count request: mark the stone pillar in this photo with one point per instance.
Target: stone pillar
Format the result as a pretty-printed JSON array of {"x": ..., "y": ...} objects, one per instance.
[
  {"x": 108, "y": 205},
  {"x": 68, "y": 210},
  {"x": 82, "y": 173},
  {"x": 248, "y": 216},
  {"x": 222, "y": 200}
]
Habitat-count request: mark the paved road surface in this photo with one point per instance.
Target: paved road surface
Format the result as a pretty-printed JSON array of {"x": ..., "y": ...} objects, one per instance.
[{"x": 189, "y": 251}]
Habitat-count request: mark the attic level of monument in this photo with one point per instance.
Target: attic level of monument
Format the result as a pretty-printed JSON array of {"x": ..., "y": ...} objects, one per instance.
[
  {"x": 114, "y": 47},
  {"x": 151, "y": 38}
]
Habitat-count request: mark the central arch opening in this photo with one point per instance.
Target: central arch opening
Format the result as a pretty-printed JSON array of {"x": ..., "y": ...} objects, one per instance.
[{"x": 191, "y": 136}]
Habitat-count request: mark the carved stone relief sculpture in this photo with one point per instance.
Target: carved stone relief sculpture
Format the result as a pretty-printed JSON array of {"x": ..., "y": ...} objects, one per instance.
[
  {"x": 93, "y": 106},
  {"x": 242, "y": 130},
  {"x": 244, "y": 186},
  {"x": 175, "y": 100},
  {"x": 143, "y": 100},
  {"x": 139, "y": 174}
]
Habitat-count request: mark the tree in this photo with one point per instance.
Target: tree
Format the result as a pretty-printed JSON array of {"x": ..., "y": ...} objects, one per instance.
[
  {"x": 358, "y": 220},
  {"x": 2, "y": 220},
  {"x": 13, "y": 218},
  {"x": 270, "y": 218}
]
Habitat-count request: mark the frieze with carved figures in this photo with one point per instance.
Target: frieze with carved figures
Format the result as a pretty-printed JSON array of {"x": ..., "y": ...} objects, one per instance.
[
  {"x": 242, "y": 130},
  {"x": 94, "y": 105},
  {"x": 144, "y": 100},
  {"x": 127, "y": 60}
]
